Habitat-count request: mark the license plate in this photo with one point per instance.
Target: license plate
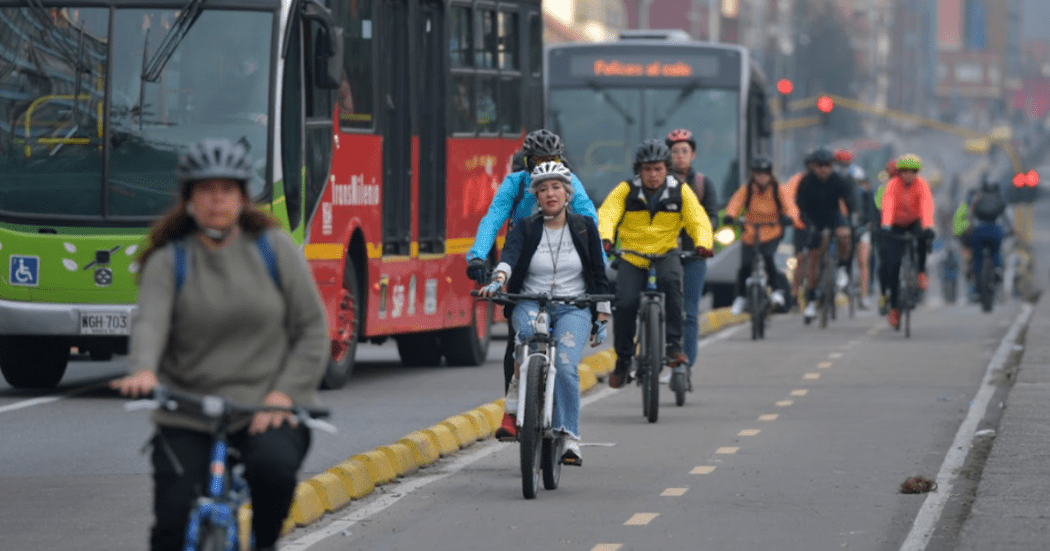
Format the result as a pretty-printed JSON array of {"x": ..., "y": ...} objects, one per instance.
[{"x": 104, "y": 323}]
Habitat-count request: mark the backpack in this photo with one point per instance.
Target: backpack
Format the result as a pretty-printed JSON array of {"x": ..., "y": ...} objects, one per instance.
[
  {"x": 988, "y": 207},
  {"x": 178, "y": 250}
]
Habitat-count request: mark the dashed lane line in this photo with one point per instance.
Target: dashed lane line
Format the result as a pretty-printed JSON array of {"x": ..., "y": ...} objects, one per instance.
[
  {"x": 727, "y": 450},
  {"x": 811, "y": 376},
  {"x": 641, "y": 519},
  {"x": 749, "y": 432},
  {"x": 824, "y": 365},
  {"x": 835, "y": 355},
  {"x": 607, "y": 547},
  {"x": 799, "y": 392},
  {"x": 703, "y": 469},
  {"x": 784, "y": 403},
  {"x": 674, "y": 492},
  {"x": 769, "y": 417}
]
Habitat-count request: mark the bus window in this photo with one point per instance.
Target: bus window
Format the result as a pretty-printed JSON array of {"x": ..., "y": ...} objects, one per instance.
[
  {"x": 462, "y": 104},
  {"x": 510, "y": 105},
  {"x": 508, "y": 41},
  {"x": 487, "y": 105},
  {"x": 461, "y": 42},
  {"x": 357, "y": 87},
  {"x": 485, "y": 53}
]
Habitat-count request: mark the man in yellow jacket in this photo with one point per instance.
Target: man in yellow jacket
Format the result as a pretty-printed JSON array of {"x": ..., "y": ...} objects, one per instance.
[{"x": 647, "y": 213}]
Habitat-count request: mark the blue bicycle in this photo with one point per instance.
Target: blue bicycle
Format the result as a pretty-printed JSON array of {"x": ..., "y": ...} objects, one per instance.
[{"x": 212, "y": 524}]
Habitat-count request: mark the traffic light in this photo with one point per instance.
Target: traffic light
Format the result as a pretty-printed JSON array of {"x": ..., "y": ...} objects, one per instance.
[
  {"x": 825, "y": 104},
  {"x": 1025, "y": 187},
  {"x": 785, "y": 87}
]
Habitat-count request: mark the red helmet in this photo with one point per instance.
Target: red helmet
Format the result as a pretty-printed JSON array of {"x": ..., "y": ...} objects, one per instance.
[
  {"x": 891, "y": 167},
  {"x": 680, "y": 135},
  {"x": 844, "y": 156}
]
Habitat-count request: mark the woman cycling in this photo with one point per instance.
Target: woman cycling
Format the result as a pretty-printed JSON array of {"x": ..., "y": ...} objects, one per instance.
[
  {"x": 227, "y": 307},
  {"x": 763, "y": 201},
  {"x": 558, "y": 253}
]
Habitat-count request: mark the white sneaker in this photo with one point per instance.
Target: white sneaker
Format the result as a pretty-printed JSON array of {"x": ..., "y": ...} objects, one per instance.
[
  {"x": 777, "y": 298},
  {"x": 510, "y": 403},
  {"x": 570, "y": 454},
  {"x": 842, "y": 278},
  {"x": 811, "y": 310},
  {"x": 739, "y": 303}
]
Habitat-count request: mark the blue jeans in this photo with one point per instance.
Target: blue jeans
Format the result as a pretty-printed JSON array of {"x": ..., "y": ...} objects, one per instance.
[
  {"x": 694, "y": 271},
  {"x": 985, "y": 234},
  {"x": 571, "y": 326}
]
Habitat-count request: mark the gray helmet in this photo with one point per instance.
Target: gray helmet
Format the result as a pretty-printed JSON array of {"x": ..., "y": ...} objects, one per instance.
[
  {"x": 543, "y": 143},
  {"x": 761, "y": 163},
  {"x": 822, "y": 155},
  {"x": 551, "y": 170},
  {"x": 214, "y": 158},
  {"x": 652, "y": 151}
]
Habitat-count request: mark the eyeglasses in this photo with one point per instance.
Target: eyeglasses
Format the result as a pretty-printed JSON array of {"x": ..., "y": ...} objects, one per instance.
[{"x": 547, "y": 159}]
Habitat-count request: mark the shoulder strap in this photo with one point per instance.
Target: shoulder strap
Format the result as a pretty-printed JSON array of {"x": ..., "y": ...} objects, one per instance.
[
  {"x": 699, "y": 185},
  {"x": 179, "y": 257},
  {"x": 266, "y": 251}
]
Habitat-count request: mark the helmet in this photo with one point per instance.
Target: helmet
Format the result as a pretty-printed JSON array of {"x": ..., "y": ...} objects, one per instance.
[
  {"x": 891, "y": 167},
  {"x": 551, "y": 170},
  {"x": 651, "y": 151},
  {"x": 680, "y": 135},
  {"x": 822, "y": 155},
  {"x": 857, "y": 173},
  {"x": 214, "y": 158},
  {"x": 543, "y": 143},
  {"x": 844, "y": 156},
  {"x": 760, "y": 163},
  {"x": 909, "y": 161}
]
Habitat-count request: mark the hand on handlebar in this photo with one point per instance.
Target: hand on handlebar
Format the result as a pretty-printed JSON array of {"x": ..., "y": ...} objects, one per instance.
[
  {"x": 265, "y": 420},
  {"x": 140, "y": 383},
  {"x": 703, "y": 252},
  {"x": 494, "y": 286},
  {"x": 476, "y": 270},
  {"x": 600, "y": 330}
]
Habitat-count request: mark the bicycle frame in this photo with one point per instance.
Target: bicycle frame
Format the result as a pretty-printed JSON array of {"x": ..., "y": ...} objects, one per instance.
[{"x": 539, "y": 344}]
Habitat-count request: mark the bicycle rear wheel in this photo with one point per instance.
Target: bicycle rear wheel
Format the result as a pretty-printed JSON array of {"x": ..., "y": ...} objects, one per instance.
[
  {"x": 211, "y": 537},
  {"x": 679, "y": 385},
  {"x": 530, "y": 436},
  {"x": 655, "y": 361},
  {"x": 987, "y": 284},
  {"x": 551, "y": 463},
  {"x": 827, "y": 294},
  {"x": 757, "y": 310}
]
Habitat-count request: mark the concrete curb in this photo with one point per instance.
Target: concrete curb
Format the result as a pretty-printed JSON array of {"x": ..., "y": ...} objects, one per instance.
[{"x": 358, "y": 477}]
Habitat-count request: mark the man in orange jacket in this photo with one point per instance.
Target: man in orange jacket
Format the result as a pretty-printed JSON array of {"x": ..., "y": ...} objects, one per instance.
[{"x": 907, "y": 207}]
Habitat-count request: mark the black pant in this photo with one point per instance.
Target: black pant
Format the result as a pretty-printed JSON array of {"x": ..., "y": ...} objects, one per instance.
[
  {"x": 630, "y": 282},
  {"x": 271, "y": 461},
  {"x": 892, "y": 251},
  {"x": 508, "y": 357},
  {"x": 768, "y": 251}
]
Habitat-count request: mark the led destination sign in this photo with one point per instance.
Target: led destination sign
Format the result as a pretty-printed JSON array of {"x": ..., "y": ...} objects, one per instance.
[{"x": 643, "y": 66}]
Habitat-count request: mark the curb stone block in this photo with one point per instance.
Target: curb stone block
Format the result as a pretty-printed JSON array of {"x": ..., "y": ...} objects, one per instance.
[
  {"x": 423, "y": 445},
  {"x": 481, "y": 423},
  {"x": 378, "y": 465},
  {"x": 493, "y": 412},
  {"x": 244, "y": 526},
  {"x": 307, "y": 506},
  {"x": 356, "y": 478},
  {"x": 462, "y": 429},
  {"x": 587, "y": 377},
  {"x": 330, "y": 489},
  {"x": 401, "y": 458},
  {"x": 446, "y": 440}
]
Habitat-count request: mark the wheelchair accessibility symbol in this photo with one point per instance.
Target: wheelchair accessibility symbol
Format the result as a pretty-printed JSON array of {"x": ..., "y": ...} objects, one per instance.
[{"x": 25, "y": 270}]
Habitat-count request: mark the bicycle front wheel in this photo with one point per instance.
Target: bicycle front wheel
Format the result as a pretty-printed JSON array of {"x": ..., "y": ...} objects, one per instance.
[
  {"x": 551, "y": 463},
  {"x": 758, "y": 310},
  {"x": 531, "y": 434},
  {"x": 211, "y": 537},
  {"x": 655, "y": 361},
  {"x": 987, "y": 284}
]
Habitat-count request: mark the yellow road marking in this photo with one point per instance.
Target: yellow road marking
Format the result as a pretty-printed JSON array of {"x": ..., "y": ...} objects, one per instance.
[
  {"x": 824, "y": 365},
  {"x": 749, "y": 432},
  {"x": 799, "y": 392},
  {"x": 607, "y": 547},
  {"x": 784, "y": 403},
  {"x": 674, "y": 492},
  {"x": 703, "y": 469},
  {"x": 641, "y": 519},
  {"x": 769, "y": 417},
  {"x": 811, "y": 376},
  {"x": 727, "y": 450},
  {"x": 835, "y": 355}
]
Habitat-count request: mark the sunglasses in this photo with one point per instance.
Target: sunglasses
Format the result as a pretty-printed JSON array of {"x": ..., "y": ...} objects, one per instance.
[{"x": 550, "y": 159}]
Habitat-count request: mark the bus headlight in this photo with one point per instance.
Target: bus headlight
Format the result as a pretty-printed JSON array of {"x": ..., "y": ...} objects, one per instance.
[{"x": 725, "y": 236}]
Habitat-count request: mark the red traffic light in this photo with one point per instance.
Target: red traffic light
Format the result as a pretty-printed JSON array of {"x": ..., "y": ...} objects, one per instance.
[
  {"x": 1020, "y": 180},
  {"x": 825, "y": 104},
  {"x": 784, "y": 86},
  {"x": 1032, "y": 178}
]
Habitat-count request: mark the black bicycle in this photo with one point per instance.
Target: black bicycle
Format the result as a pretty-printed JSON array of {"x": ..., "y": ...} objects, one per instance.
[
  {"x": 908, "y": 294},
  {"x": 989, "y": 282},
  {"x": 757, "y": 286},
  {"x": 212, "y": 524},
  {"x": 824, "y": 293},
  {"x": 539, "y": 449}
]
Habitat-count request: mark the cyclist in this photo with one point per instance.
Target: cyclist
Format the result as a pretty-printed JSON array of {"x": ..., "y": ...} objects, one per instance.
[
  {"x": 558, "y": 253},
  {"x": 963, "y": 232},
  {"x": 762, "y": 200},
  {"x": 232, "y": 329},
  {"x": 647, "y": 213},
  {"x": 798, "y": 237},
  {"x": 987, "y": 208},
  {"x": 694, "y": 269},
  {"x": 867, "y": 218},
  {"x": 513, "y": 203},
  {"x": 819, "y": 195},
  {"x": 907, "y": 207}
]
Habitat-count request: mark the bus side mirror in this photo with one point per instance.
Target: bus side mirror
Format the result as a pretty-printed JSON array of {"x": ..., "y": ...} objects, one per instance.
[{"x": 328, "y": 58}]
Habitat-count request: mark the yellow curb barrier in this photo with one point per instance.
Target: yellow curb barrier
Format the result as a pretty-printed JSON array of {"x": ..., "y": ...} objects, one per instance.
[
  {"x": 445, "y": 439},
  {"x": 481, "y": 423},
  {"x": 587, "y": 377},
  {"x": 401, "y": 458},
  {"x": 462, "y": 428},
  {"x": 244, "y": 526},
  {"x": 307, "y": 506},
  {"x": 289, "y": 525},
  {"x": 424, "y": 446},
  {"x": 355, "y": 477},
  {"x": 493, "y": 412},
  {"x": 330, "y": 489},
  {"x": 378, "y": 465}
]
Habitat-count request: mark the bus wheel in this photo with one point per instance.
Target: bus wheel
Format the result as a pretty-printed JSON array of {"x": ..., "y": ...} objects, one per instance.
[
  {"x": 469, "y": 346},
  {"x": 419, "y": 349},
  {"x": 344, "y": 347},
  {"x": 33, "y": 362}
]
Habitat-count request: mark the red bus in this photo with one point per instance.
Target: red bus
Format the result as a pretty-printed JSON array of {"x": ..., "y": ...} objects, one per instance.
[{"x": 401, "y": 162}]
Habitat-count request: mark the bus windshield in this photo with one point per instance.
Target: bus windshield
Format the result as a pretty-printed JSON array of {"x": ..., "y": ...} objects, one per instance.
[
  {"x": 603, "y": 125},
  {"x": 57, "y": 74}
]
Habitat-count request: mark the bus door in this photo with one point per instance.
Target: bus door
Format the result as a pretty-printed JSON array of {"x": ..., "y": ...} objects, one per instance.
[
  {"x": 430, "y": 87},
  {"x": 397, "y": 137},
  {"x": 317, "y": 133}
]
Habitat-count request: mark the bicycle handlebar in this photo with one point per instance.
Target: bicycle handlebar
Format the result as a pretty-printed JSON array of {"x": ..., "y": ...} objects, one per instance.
[
  {"x": 650, "y": 256},
  {"x": 578, "y": 300}
]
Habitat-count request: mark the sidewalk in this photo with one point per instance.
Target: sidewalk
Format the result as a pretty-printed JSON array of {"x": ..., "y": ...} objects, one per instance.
[{"x": 1011, "y": 510}]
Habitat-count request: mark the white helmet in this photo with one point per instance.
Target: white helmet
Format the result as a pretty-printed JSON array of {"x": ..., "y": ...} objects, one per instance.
[
  {"x": 858, "y": 173},
  {"x": 551, "y": 170}
]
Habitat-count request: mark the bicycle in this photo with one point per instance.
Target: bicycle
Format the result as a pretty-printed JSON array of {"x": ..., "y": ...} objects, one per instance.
[
  {"x": 213, "y": 520},
  {"x": 539, "y": 448},
  {"x": 950, "y": 275},
  {"x": 989, "y": 282},
  {"x": 908, "y": 291},
  {"x": 759, "y": 304},
  {"x": 825, "y": 290}
]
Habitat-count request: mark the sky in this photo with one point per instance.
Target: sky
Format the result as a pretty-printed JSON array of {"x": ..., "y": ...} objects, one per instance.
[{"x": 1034, "y": 17}]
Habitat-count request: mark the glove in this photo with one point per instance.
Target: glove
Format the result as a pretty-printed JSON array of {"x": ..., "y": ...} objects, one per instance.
[
  {"x": 494, "y": 286},
  {"x": 599, "y": 331},
  {"x": 608, "y": 246},
  {"x": 476, "y": 270},
  {"x": 704, "y": 253}
]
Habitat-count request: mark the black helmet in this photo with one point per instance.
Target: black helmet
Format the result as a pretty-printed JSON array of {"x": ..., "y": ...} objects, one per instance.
[
  {"x": 822, "y": 155},
  {"x": 214, "y": 158},
  {"x": 652, "y": 151},
  {"x": 761, "y": 163},
  {"x": 543, "y": 143}
]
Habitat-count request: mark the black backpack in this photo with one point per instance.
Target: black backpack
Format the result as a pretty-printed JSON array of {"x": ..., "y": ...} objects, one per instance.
[{"x": 989, "y": 206}]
